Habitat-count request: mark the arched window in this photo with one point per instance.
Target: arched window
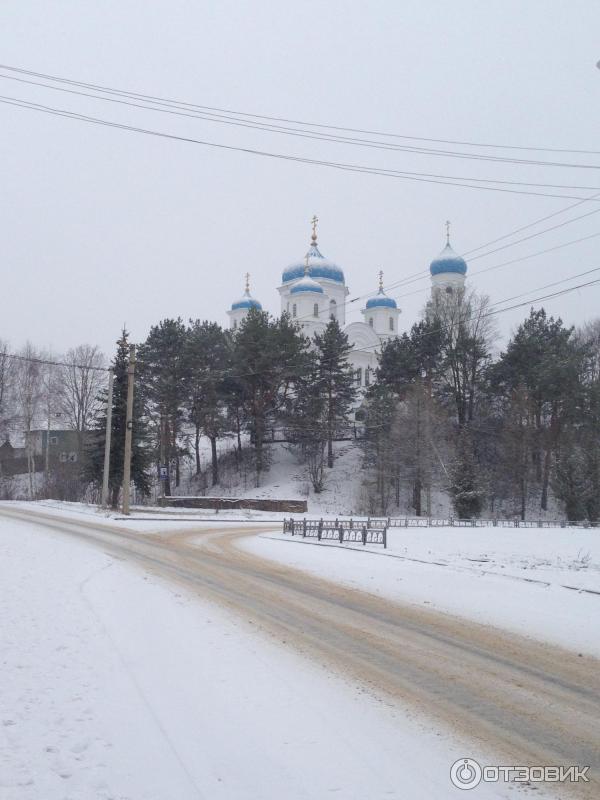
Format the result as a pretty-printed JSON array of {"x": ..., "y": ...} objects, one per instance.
[
  {"x": 234, "y": 324},
  {"x": 367, "y": 376},
  {"x": 332, "y": 309},
  {"x": 371, "y": 321},
  {"x": 359, "y": 376},
  {"x": 449, "y": 289},
  {"x": 294, "y": 310},
  {"x": 391, "y": 323},
  {"x": 316, "y": 310}
]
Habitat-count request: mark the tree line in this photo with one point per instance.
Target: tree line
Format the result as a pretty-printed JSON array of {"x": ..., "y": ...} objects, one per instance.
[
  {"x": 197, "y": 380},
  {"x": 501, "y": 433}
]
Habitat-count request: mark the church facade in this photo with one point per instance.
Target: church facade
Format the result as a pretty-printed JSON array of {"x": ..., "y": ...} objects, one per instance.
[{"x": 314, "y": 290}]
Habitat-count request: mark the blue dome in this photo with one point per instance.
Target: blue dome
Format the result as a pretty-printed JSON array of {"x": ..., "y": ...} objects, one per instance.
[
  {"x": 306, "y": 285},
  {"x": 448, "y": 261},
  {"x": 246, "y": 302},
  {"x": 381, "y": 301},
  {"x": 319, "y": 268}
]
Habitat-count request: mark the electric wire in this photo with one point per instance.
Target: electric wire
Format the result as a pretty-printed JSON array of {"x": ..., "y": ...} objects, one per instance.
[
  {"x": 343, "y": 166},
  {"x": 232, "y": 113}
]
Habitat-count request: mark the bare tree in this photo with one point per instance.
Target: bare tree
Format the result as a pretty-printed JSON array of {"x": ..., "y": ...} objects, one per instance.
[
  {"x": 469, "y": 334},
  {"x": 6, "y": 380},
  {"x": 79, "y": 387},
  {"x": 29, "y": 396}
]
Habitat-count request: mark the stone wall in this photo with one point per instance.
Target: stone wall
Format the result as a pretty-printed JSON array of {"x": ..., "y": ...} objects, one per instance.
[{"x": 223, "y": 503}]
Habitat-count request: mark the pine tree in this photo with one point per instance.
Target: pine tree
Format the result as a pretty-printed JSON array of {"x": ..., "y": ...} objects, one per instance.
[
  {"x": 379, "y": 449},
  {"x": 140, "y": 454},
  {"x": 335, "y": 378},
  {"x": 161, "y": 366},
  {"x": 306, "y": 421},
  {"x": 268, "y": 358},
  {"x": 207, "y": 357},
  {"x": 542, "y": 364},
  {"x": 465, "y": 487}
]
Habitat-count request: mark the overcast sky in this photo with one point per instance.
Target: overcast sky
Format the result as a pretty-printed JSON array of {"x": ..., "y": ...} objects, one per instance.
[{"x": 101, "y": 226}]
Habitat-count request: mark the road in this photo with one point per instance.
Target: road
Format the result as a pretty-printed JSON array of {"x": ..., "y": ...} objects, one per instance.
[{"x": 527, "y": 702}]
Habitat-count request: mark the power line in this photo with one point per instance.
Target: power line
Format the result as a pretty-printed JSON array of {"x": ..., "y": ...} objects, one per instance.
[
  {"x": 347, "y": 167},
  {"x": 52, "y": 363},
  {"x": 307, "y": 134},
  {"x": 495, "y": 312},
  {"x": 233, "y": 113},
  {"x": 534, "y": 235},
  {"x": 319, "y": 137},
  {"x": 424, "y": 274},
  {"x": 531, "y": 225}
]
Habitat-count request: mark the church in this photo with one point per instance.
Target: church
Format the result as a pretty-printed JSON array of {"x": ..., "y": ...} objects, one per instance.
[{"x": 314, "y": 290}]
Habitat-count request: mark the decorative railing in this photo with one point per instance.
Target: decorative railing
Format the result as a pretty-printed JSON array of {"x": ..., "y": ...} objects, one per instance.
[
  {"x": 355, "y": 526},
  {"x": 341, "y": 531}
]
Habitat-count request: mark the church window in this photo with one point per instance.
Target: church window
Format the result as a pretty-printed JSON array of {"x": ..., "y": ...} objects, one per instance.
[
  {"x": 391, "y": 323},
  {"x": 371, "y": 321},
  {"x": 449, "y": 290},
  {"x": 234, "y": 324},
  {"x": 332, "y": 309},
  {"x": 316, "y": 310},
  {"x": 359, "y": 376},
  {"x": 367, "y": 376},
  {"x": 294, "y": 310}
]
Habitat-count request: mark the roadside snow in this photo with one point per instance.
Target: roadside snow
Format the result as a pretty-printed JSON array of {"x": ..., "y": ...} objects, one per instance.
[
  {"x": 116, "y": 684},
  {"x": 512, "y": 579}
]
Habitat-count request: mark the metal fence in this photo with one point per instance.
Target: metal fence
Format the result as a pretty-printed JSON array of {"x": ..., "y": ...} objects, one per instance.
[
  {"x": 341, "y": 531},
  {"x": 311, "y": 528}
]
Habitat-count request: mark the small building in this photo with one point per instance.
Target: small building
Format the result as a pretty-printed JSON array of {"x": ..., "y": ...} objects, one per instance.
[{"x": 62, "y": 445}]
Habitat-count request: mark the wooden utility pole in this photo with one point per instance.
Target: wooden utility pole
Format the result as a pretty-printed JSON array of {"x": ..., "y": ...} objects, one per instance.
[
  {"x": 106, "y": 473},
  {"x": 128, "y": 430}
]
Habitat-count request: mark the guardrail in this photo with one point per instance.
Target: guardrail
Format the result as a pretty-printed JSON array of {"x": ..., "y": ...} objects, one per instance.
[{"x": 337, "y": 531}]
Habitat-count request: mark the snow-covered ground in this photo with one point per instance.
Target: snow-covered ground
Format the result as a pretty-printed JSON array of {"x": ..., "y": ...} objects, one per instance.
[
  {"x": 539, "y": 583},
  {"x": 116, "y": 684}
]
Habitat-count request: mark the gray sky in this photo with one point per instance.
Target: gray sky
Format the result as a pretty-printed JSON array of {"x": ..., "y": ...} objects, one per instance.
[{"x": 101, "y": 227}]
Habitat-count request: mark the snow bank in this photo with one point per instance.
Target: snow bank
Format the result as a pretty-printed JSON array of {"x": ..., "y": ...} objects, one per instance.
[
  {"x": 539, "y": 583},
  {"x": 119, "y": 685}
]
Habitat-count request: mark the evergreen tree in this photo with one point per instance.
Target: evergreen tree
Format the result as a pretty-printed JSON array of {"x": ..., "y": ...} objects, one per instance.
[
  {"x": 335, "y": 380},
  {"x": 207, "y": 358},
  {"x": 140, "y": 454},
  {"x": 465, "y": 486},
  {"x": 162, "y": 366},
  {"x": 306, "y": 420},
  {"x": 408, "y": 357},
  {"x": 543, "y": 363},
  {"x": 379, "y": 448},
  {"x": 269, "y": 356}
]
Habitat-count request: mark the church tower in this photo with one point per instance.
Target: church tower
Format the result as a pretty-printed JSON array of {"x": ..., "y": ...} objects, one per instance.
[
  {"x": 331, "y": 301},
  {"x": 448, "y": 272},
  {"x": 381, "y": 313},
  {"x": 239, "y": 309}
]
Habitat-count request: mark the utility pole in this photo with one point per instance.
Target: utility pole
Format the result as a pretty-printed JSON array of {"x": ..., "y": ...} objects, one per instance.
[
  {"x": 109, "y": 405},
  {"x": 128, "y": 430}
]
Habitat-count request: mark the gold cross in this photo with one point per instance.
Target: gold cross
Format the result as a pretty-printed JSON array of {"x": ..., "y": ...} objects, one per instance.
[
  {"x": 247, "y": 281},
  {"x": 447, "y": 231},
  {"x": 381, "y": 280},
  {"x": 314, "y": 221}
]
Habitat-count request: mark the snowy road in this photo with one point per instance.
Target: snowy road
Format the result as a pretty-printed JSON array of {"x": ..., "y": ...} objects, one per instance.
[{"x": 525, "y": 702}]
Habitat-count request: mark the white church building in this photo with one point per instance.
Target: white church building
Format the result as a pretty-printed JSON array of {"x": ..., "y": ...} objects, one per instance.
[{"x": 314, "y": 290}]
